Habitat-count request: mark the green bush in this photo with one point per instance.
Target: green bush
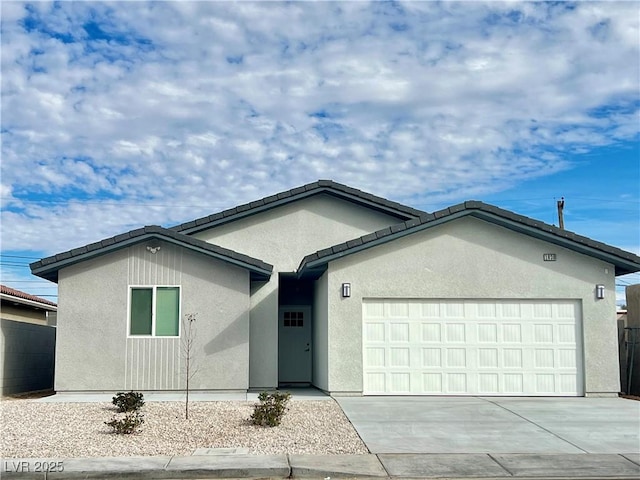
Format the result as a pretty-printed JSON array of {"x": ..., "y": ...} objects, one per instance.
[
  {"x": 271, "y": 409},
  {"x": 129, "y": 401},
  {"x": 127, "y": 424}
]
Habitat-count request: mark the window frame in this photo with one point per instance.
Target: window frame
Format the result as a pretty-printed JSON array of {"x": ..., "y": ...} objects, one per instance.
[{"x": 154, "y": 304}]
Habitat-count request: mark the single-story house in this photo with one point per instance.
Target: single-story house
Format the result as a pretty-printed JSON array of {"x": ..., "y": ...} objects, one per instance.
[
  {"x": 20, "y": 306},
  {"x": 357, "y": 295}
]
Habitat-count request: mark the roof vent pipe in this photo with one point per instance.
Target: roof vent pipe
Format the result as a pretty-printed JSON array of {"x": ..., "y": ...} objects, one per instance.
[{"x": 560, "y": 213}]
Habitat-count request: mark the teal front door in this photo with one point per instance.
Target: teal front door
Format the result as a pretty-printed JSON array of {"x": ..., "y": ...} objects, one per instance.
[{"x": 294, "y": 345}]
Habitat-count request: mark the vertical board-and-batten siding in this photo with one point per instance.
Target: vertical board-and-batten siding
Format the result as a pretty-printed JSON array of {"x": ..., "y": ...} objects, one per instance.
[{"x": 153, "y": 363}]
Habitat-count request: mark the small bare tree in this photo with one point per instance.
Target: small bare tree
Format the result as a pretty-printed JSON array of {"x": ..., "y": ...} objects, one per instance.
[{"x": 188, "y": 354}]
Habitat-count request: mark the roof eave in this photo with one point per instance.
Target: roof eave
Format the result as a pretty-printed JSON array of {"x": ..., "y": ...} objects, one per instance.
[
  {"x": 50, "y": 271},
  {"x": 555, "y": 236},
  {"x": 552, "y": 235},
  {"x": 315, "y": 265},
  {"x": 284, "y": 198},
  {"x": 27, "y": 302}
]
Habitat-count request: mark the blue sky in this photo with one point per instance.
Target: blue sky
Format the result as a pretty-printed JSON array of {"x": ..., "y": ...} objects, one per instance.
[{"x": 131, "y": 113}]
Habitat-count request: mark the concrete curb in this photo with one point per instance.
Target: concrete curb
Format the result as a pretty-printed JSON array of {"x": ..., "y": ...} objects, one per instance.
[
  {"x": 336, "y": 466},
  {"x": 451, "y": 466}
]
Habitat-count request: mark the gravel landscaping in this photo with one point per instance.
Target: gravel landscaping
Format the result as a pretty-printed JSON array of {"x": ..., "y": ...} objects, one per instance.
[{"x": 34, "y": 429}]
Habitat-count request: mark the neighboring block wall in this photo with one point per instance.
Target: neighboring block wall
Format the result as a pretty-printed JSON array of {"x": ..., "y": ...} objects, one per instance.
[
  {"x": 470, "y": 258},
  {"x": 94, "y": 351},
  {"x": 28, "y": 355},
  {"x": 633, "y": 321}
]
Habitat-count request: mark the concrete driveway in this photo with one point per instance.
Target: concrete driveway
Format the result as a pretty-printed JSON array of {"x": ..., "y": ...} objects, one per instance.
[{"x": 495, "y": 425}]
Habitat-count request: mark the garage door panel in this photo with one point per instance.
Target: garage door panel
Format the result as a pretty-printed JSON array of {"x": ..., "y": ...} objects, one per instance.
[{"x": 471, "y": 347}]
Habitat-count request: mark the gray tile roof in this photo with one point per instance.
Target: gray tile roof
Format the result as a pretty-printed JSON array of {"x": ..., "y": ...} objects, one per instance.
[
  {"x": 625, "y": 262},
  {"x": 403, "y": 212},
  {"x": 48, "y": 268}
]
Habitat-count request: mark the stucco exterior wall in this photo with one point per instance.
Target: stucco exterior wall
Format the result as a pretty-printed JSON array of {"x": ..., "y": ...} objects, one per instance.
[
  {"x": 94, "y": 350},
  {"x": 282, "y": 237},
  {"x": 320, "y": 337},
  {"x": 470, "y": 258},
  {"x": 22, "y": 314}
]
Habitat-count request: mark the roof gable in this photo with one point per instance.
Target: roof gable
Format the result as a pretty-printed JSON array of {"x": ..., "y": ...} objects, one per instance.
[
  {"x": 625, "y": 262},
  {"x": 48, "y": 268},
  {"x": 402, "y": 212}
]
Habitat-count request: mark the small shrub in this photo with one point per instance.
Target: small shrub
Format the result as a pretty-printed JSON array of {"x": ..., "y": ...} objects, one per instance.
[
  {"x": 127, "y": 424},
  {"x": 271, "y": 409},
  {"x": 128, "y": 402}
]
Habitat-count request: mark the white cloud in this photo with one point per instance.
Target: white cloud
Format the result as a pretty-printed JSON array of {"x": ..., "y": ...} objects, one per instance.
[{"x": 198, "y": 106}]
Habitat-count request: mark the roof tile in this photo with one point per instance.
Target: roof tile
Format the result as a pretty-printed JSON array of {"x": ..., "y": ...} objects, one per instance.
[
  {"x": 469, "y": 204},
  {"x": 442, "y": 213},
  {"x": 354, "y": 243},
  {"x": 188, "y": 225},
  {"x": 108, "y": 241},
  {"x": 324, "y": 252},
  {"x": 383, "y": 233},
  {"x": 122, "y": 237},
  {"x": 79, "y": 251},
  {"x": 25, "y": 296},
  {"x": 63, "y": 256},
  {"x": 475, "y": 208},
  {"x": 369, "y": 238},
  {"x": 341, "y": 247},
  {"x": 253, "y": 264},
  {"x": 270, "y": 199},
  {"x": 328, "y": 186},
  {"x": 456, "y": 208}
]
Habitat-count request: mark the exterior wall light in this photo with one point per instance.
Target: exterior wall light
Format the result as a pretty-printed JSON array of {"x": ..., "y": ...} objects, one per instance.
[
  {"x": 599, "y": 292},
  {"x": 346, "y": 290}
]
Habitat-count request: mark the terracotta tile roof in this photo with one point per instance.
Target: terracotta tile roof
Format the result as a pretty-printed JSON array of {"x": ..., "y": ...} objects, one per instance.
[{"x": 25, "y": 296}]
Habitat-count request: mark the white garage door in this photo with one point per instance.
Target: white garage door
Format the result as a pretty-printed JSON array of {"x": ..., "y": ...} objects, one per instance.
[{"x": 471, "y": 347}]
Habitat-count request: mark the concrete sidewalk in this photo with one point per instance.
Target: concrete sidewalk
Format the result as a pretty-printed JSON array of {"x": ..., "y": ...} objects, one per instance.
[
  {"x": 451, "y": 466},
  {"x": 299, "y": 393}
]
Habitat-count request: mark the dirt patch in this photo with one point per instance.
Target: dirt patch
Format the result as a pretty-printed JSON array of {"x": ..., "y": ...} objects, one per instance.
[
  {"x": 28, "y": 395},
  {"x": 630, "y": 397}
]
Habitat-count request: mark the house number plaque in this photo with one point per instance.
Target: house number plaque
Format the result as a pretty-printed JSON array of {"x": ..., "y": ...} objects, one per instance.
[{"x": 549, "y": 257}]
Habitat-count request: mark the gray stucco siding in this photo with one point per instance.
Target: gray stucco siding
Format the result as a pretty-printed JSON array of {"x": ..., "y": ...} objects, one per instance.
[
  {"x": 282, "y": 237},
  {"x": 95, "y": 350},
  {"x": 470, "y": 259},
  {"x": 320, "y": 339}
]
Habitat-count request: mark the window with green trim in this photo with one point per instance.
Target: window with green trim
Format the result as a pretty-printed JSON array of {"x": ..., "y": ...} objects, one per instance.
[{"x": 155, "y": 311}]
